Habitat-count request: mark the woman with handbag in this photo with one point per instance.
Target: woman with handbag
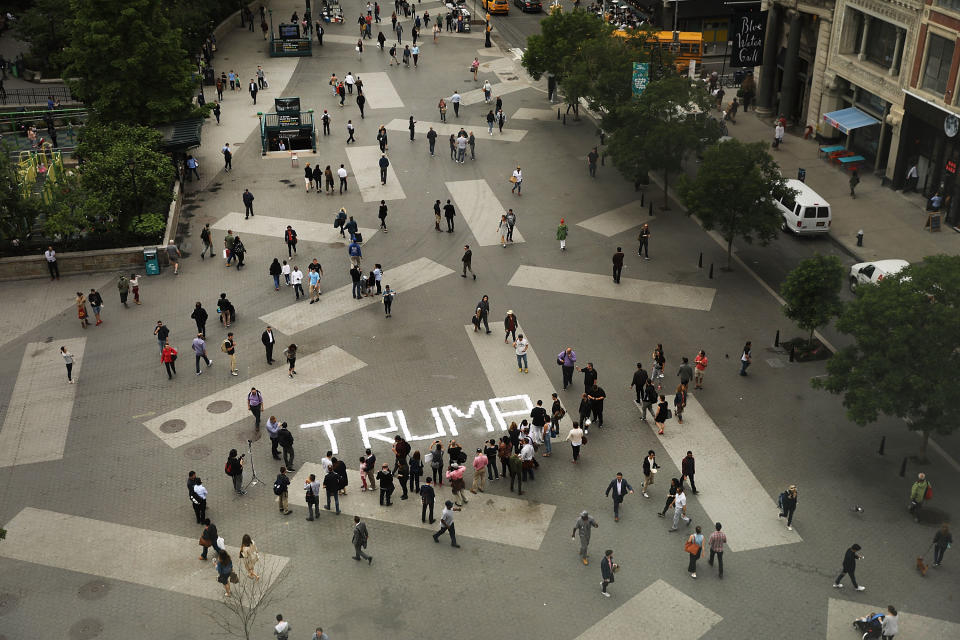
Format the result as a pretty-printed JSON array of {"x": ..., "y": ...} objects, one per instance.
[
  {"x": 663, "y": 414},
  {"x": 225, "y": 574},
  {"x": 693, "y": 548},
  {"x": 169, "y": 359},
  {"x": 250, "y": 556},
  {"x": 82, "y": 310},
  {"x": 290, "y": 353}
]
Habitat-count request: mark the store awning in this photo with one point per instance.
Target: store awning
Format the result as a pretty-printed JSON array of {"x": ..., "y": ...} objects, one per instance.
[{"x": 846, "y": 120}]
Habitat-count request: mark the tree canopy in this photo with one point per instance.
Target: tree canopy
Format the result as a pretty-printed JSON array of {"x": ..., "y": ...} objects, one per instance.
[
  {"x": 734, "y": 192},
  {"x": 128, "y": 64},
  {"x": 812, "y": 292},
  {"x": 906, "y": 333},
  {"x": 46, "y": 26}
]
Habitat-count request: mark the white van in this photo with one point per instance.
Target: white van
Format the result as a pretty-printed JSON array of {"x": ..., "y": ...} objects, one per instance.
[{"x": 805, "y": 212}]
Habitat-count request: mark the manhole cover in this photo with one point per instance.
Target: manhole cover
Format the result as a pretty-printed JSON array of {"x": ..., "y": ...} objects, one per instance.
[
  {"x": 172, "y": 426},
  {"x": 197, "y": 453},
  {"x": 93, "y": 590},
  {"x": 8, "y": 602},
  {"x": 219, "y": 406},
  {"x": 243, "y": 435},
  {"x": 86, "y": 628}
]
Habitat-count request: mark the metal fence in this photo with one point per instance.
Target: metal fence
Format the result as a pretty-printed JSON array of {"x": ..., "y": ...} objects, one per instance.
[{"x": 37, "y": 96}]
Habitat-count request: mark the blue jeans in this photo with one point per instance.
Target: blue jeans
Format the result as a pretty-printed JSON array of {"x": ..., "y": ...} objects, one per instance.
[
  {"x": 336, "y": 500},
  {"x": 546, "y": 441},
  {"x": 356, "y": 290},
  {"x": 460, "y": 154},
  {"x": 743, "y": 367},
  {"x": 276, "y": 282},
  {"x": 522, "y": 361}
]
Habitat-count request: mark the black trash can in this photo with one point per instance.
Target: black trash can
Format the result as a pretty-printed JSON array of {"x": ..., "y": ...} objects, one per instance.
[{"x": 209, "y": 77}]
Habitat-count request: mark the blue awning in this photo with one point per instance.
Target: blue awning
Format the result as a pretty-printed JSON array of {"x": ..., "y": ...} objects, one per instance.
[{"x": 846, "y": 120}]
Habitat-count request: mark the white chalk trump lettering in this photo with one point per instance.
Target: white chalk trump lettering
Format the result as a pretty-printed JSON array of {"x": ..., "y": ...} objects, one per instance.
[
  {"x": 748, "y": 34},
  {"x": 482, "y": 417}
]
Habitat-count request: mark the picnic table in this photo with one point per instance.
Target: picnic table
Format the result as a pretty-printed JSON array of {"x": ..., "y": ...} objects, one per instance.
[
  {"x": 828, "y": 150},
  {"x": 851, "y": 162}
]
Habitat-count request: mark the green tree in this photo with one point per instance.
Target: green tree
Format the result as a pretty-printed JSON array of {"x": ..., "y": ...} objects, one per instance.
[
  {"x": 17, "y": 214},
  {"x": 812, "y": 292},
  {"x": 46, "y": 26},
  {"x": 906, "y": 333},
  {"x": 123, "y": 174},
  {"x": 659, "y": 129},
  {"x": 129, "y": 64},
  {"x": 734, "y": 192}
]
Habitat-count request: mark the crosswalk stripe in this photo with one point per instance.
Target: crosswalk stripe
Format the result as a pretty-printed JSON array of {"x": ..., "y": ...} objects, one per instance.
[
  {"x": 499, "y": 364},
  {"x": 445, "y": 129},
  {"x": 842, "y": 613},
  {"x": 379, "y": 90},
  {"x": 645, "y": 616},
  {"x": 333, "y": 304},
  {"x": 307, "y": 230},
  {"x": 487, "y": 516},
  {"x": 366, "y": 174},
  {"x": 481, "y": 209},
  {"x": 730, "y": 494},
  {"x": 120, "y": 552},
  {"x": 616, "y": 221},
  {"x": 602, "y": 286},
  {"x": 204, "y": 416},
  {"x": 38, "y": 418}
]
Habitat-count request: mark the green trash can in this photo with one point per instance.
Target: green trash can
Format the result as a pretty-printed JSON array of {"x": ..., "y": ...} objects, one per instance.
[{"x": 150, "y": 261}]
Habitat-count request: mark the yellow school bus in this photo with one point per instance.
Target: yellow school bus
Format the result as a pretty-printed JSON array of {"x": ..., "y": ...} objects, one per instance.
[{"x": 688, "y": 46}]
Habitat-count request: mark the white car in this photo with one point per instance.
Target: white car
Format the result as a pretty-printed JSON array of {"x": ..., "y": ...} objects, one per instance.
[{"x": 874, "y": 272}]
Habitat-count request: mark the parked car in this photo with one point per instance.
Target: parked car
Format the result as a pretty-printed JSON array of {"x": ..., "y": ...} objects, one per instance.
[
  {"x": 804, "y": 211},
  {"x": 528, "y": 6},
  {"x": 874, "y": 272}
]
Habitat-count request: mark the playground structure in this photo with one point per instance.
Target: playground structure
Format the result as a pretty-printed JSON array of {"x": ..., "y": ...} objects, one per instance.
[{"x": 38, "y": 172}]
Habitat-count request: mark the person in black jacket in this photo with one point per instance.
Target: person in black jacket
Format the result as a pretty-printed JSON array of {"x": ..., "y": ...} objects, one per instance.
[
  {"x": 340, "y": 467},
  {"x": 620, "y": 488},
  {"x": 285, "y": 440},
  {"x": 386, "y": 484},
  {"x": 227, "y": 312},
  {"x": 427, "y": 498},
  {"x": 96, "y": 303},
  {"x": 850, "y": 567},
  {"x": 239, "y": 251},
  {"x": 268, "y": 340},
  {"x": 331, "y": 482},
  {"x": 688, "y": 468},
  {"x": 198, "y": 508},
  {"x": 199, "y": 316},
  {"x": 234, "y": 469}
]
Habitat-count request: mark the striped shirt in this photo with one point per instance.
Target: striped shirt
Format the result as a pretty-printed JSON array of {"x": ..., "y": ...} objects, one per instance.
[{"x": 717, "y": 540}]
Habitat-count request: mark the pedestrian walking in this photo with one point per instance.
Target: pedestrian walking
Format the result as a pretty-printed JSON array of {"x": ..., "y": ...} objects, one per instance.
[
  {"x": 644, "y": 238},
  {"x": 192, "y": 165},
  {"x": 285, "y": 440},
  {"x": 285, "y": 271},
  {"x": 688, "y": 469},
  {"x": 680, "y": 401},
  {"x": 247, "y": 205},
  {"x": 350, "y": 131},
  {"x": 134, "y": 287},
  {"x": 890, "y": 625},
  {"x": 577, "y": 439},
  {"x": 199, "y": 346},
  {"x": 745, "y": 358},
  {"x": 618, "y": 266},
  {"x": 198, "y": 498},
  {"x": 854, "y": 181},
  {"x": 596, "y": 395},
  {"x": 311, "y": 488},
  {"x": 671, "y": 493},
  {"x": 280, "y": 487},
  {"x": 457, "y": 484},
  {"x": 359, "y": 540},
  {"x": 700, "y": 367},
  {"x": 716, "y": 541},
  {"x": 679, "y": 508},
  {"x": 255, "y": 405},
  {"x": 388, "y": 297},
  {"x": 250, "y": 556},
  {"x": 920, "y": 492},
  {"x": 342, "y": 173},
  {"x": 583, "y": 526},
  {"x": 427, "y": 498},
  {"x": 510, "y": 324},
  {"x": 331, "y": 485},
  {"x": 455, "y": 100},
  {"x": 942, "y": 540},
  {"x": 296, "y": 279},
  {"x": 620, "y": 488},
  {"x": 227, "y": 157},
  {"x": 234, "y": 469},
  {"x": 161, "y": 331},
  {"x": 850, "y": 558},
  {"x": 663, "y": 414},
  {"x": 207, "y": 240},
  {"x": 290, "y": 354},
  {"x": 650, "y": 468},
  {"x": 694, "y": 549},
  {"x": 123, "y": 286},
  {"x": 638, "y": 383},
  {"x": 253, "y": 89},
  {"x": 225, "y": 574},
  {"x": 384, "y": 163},
  {"x": 517, "y": 179},
  {"x": 209, "y": 535},
  {"x": 446, "y": 524},
  {"x": 317, "y": 181},
  {"x": 282, "y": 629},
  {"x": 788, "y": 505},
  {"x": 484, "y": 306},
  {"x": 607, "y": 570},
  {"x": 275, "y": 270},
  {"x": 81, "y": 302}
]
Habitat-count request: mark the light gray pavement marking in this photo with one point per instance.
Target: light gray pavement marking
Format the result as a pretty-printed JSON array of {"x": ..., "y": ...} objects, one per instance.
[
  {"x": 730, "y": 493},
  {"x": 487, "y": 516},
  {"x": 499, "y": 362},
  {"x": 602, "y": 286},
  {"x": 120, "y": 552},
  {"x": 842, "y": 613},
  {"x": 339, "y": 302},
  {"x": 646, "y": 615},
  {"x": 617, "y": 220},
  {"x": 307, "y": 230},
  {"x": 40, "y": 299},
  {"x": 38, "y": 419},
  {"x": 366, "y": 175},
  {"x": 444, "y": 129},
  {"x": 525, "y": 113},
  {"x": 481, "y": 209},
  {"x": 379, "y": 90},
  {"x": 475, "y": 96},
  {"x": 313, "y": 371}
]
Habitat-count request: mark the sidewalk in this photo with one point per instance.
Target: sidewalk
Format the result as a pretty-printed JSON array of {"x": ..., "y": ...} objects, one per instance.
[{"x": 892, "y": 222}]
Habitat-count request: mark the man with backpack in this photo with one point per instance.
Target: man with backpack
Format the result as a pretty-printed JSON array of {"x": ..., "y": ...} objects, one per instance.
[
  {"x": 207, "y": 241},
  {"x": 280, "y": 487},
  {"x": 312, "y": 489},
  {"x": 285, "y": 440},
  {"x": 921, "y": 491}
]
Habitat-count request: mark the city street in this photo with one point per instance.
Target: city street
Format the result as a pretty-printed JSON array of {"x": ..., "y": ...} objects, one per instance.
[{"x": 101, "y": 538}]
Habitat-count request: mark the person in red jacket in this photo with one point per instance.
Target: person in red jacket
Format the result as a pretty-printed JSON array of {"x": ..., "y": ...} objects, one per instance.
[{"x": 168, "y": 356}]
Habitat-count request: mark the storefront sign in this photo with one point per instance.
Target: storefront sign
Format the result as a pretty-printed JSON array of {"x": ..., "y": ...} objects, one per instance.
[
  {"x": 641, "y": 76},
  {"x": 748, "y": 31}
]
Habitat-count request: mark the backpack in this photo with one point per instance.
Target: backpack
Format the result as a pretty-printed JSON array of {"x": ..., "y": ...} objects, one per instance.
[
  {"x": 228, "y": 468},
  {"x": 928, "y": 494},
  {"x": 437, "y": 461},
  {"x": 223, "y": 345},
  {"x": 278, "y": 486},
  {"x": 783, "y": 496}
]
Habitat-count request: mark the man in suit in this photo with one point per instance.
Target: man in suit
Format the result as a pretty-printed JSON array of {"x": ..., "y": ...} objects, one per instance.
[
  {"x": 268, "y": 340},
  {"x": 620, "y": 488},
  {"x": 360, "y": 536},
  {"x": 427, "y": 496}
]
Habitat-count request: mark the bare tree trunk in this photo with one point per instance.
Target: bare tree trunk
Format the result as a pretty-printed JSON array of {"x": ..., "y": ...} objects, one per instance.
[
  {"x": 729, "y": 254},
  {"x": 923, "y": 448},
  {"x": 666, "y": 184}
]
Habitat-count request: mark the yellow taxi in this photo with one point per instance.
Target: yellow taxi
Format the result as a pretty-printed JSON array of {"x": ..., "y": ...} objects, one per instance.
[{"x": 497, "y": 6}]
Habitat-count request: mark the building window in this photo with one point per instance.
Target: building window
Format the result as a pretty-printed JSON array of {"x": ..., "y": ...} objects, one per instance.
[
  {"x": 882, "y": 44},
  {"x": 939, "y": 57},
  {"x": 950, "y": 4}
]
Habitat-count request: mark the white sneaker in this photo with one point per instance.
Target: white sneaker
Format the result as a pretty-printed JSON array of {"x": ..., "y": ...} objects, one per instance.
[
  {"x": 837, "y": 585},
  {"x": 605, "y": 594},
  {"x": 789, "y": 528},
  {"x": 861, "y": 588},
  {"x": 693, "y": 575},
  {"x": 646, "y": 495}
]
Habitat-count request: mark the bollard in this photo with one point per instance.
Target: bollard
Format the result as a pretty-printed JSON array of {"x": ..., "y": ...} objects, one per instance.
[
  {"x": 711, "y": 271},
  {"x": 792, "y": 352},
  {"x": 603, "y": 158},
  {"x": 883, "y": 442},
  {"x": 642, "y": 195},
  {"x": 903, "y": 467},
  {"x": 776, "y": 339},
  {"x": 700, "y": 261},
  {"x": 651, "y": 208},
  {"x": 564, "y": 119},
  {"x": 860, "y": 238},
  {"x": 558, "y": 113}
]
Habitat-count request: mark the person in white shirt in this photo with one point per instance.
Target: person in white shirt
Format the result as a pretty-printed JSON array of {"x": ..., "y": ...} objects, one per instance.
[
  {"x": 285, "y": 270},
  {"x": 455, "y": 99},
  {"x": 342, "y": 173},
  {"x": 51, "y": 257},
  {"x": 778, "y": 135},
  {"x": 526, "y": 460},
  {"x": 349, "y": 81},
  {"x": 575, "y": 436},
  {"x": 282, "y": 629},
  {"x": 327, "y": 462},
  {"x": 890, "y": 625},
  {"x": 679, "y": 508},
  {"x": 517, "y": 180},
  {"x": 521, "y": 345},
  {"x": 296, "y": 278}
]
